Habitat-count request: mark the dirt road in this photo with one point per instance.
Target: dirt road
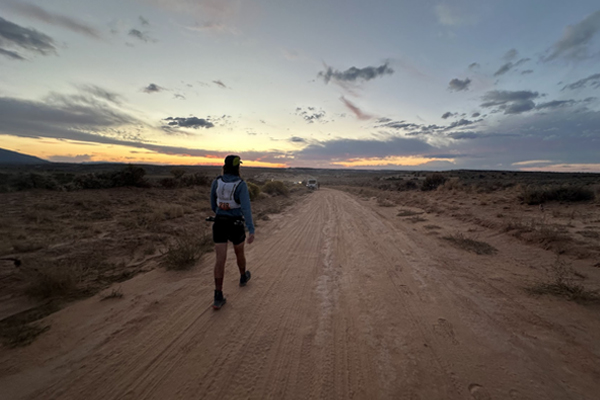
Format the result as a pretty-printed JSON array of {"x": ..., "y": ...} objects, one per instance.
[{"x": 346, "y": 301}]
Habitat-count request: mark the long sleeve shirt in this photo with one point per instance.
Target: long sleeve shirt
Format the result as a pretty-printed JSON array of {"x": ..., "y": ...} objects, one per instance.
[{"x": 241, "y": 196}]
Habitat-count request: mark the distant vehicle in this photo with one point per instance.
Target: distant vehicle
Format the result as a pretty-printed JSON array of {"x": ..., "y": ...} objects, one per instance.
[{"x": 312, "y": 184}]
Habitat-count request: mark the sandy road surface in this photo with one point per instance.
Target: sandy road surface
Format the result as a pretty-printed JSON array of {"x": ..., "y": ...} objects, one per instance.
[{"x": 346, "y": 301}]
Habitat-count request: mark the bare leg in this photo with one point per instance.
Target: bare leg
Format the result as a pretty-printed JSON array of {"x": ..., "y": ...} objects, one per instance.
[
  {"x": 221, "y": 250},
  {"x": 241, "y": 257}
]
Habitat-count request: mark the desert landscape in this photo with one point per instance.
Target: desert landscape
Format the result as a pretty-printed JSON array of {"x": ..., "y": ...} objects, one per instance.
[{"x": 379, "y": 285}]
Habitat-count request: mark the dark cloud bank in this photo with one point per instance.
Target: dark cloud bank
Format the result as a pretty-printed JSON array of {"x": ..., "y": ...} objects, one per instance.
[
  {"x": 459, "y": 85},
  {"x": 575, "y": 41},
  {"x": 15, "y": 38},
  {"x": 354, "y": 74},
  {"x": 37, "y": 12},
  {"x": 189, "y": 122}
]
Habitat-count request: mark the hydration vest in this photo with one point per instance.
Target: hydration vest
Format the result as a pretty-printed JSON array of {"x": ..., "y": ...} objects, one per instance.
[{"x": 225, "y": 194}]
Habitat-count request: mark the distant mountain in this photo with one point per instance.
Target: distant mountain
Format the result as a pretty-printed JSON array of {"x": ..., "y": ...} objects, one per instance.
[{"x": 12, "y": 157}]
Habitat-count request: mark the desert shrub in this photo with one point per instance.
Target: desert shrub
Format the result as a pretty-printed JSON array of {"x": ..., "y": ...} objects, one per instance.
[
  {"x": 90, "y": 181},
  {"x": 254, "y": 190},
  {"x": 432, "y": 181},
  {"x": 21, "y": 329},
  {"x": 471, "y": 245},
  {"x": 450, "y": 184},
  {"x": 538, "y": 195},
  {"x": 276, "y": 188},
  {"x": 177, "y": 173},
  {"x": 33, "y": 180},
  {"x": 63, "y": 178},
  {"x": 196, "y": 179},
  {"x": 131, "y": 175},
  {"x": 186, "y": 250},
  {"x": 407, "y": 185},
  {"x": 55, "y": 280},
  {"x": 168, "y": 183},
  {"x": 561, "y": 282}
]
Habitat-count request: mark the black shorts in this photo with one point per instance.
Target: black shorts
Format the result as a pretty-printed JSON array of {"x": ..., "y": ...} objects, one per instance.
[{"x": 229, "y": 229}]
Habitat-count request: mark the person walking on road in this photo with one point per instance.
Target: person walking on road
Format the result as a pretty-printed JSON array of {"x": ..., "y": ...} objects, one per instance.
[{"x": 230, "y": 201}]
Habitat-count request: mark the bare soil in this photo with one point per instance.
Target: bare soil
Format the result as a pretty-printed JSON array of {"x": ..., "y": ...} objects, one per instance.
[{"x": 349, "y": 299}]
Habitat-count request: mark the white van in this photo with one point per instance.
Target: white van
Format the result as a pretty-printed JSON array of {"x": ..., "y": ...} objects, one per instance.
[{"x": 312, "y": 184}]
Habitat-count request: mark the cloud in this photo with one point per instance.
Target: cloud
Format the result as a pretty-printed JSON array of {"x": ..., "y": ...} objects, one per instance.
[
  {"x": 297, "y": 139},
  {"x": 220, "y": 84},
  {"x": 153, "y": 88},
  {"x": 71, "y": 159},
  {"x": 458, "y": 85},
  {"x": 511, "y": 55},
  {"x": 179, "y": 96},
  {"x": 354, "y": 74},
  {"x": 144, "y": 21},
  {"x": 10, "y": 54},
  {"x": 461, "y": 122},
  {"x": 576, "y": 39},
  {"x": 80, "y": 117},
  {"x": 511, "y": 102},
  {"x": 522, "y": 61},
  {"x": 140, "y": 35},
  {"x": 518, "y": 107},
  {"x": 310, "y": 114},
  {"x": 37, "y": 12},
  {"x": 474, "y": 66},
  {"x": 475, "y": 115},
  {"x": 530, "y": 162},
  {"x": 190, "y": 122},
  {"x": 593, "y": 80},
  {"x": 344, "y": 149},
  {"x": 562, "y": 136},
  {"x": 556, "y": 104},
  {"x": 527, "y": 71},
  {"x": 13, "y": 35},
  {"x": 397, "y": 125},
  {"x": 357, "y": 111},
  {"x": 447, "y": 115},
  {"x": 101, "y": 93},
  {"x": 504, "y": 69}
]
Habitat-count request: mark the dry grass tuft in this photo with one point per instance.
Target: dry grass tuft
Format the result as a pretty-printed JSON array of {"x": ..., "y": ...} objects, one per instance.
[
  {"x": 54, "y": 281},
  {"x": 589, "y": 234},
  {"x": 186, "y": 249},
  {"x": 383, "y": 202},
  {"x": 115, "y": 293},
  {"x": 561, "y": 283},
  {"x": 471, "y": 245},
  {"x": 21, "y": 330},
  {"x": 407, "y": 213},
  {"x": 432, "y": 227}
]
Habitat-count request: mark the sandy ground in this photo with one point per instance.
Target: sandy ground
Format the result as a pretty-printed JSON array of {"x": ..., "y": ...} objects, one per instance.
[{"x": 347, "y": 300}]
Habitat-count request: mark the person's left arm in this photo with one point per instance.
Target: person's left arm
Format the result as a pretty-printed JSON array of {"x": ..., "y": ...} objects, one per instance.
[{"x": 244, "y": 200}]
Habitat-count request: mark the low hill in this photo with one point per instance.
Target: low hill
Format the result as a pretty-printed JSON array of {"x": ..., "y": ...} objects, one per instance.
[{"x": 12, "y": 157}]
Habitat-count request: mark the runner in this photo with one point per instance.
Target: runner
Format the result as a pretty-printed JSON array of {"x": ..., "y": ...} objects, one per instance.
[{"x": 230, "y": 200}]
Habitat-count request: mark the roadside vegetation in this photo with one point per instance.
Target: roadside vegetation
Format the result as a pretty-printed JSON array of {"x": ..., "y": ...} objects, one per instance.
[
  {"x": 471, "y": 245},
  {"x": 74, "y": 234},
  {"x": 563, "y": 281}
]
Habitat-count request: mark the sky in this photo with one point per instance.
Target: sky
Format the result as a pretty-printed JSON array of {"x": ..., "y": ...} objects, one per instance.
[{"x": 407, "y": 85}]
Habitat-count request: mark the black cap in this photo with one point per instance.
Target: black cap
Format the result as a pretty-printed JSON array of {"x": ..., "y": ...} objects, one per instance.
[{"x": 232, "y": 161}]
